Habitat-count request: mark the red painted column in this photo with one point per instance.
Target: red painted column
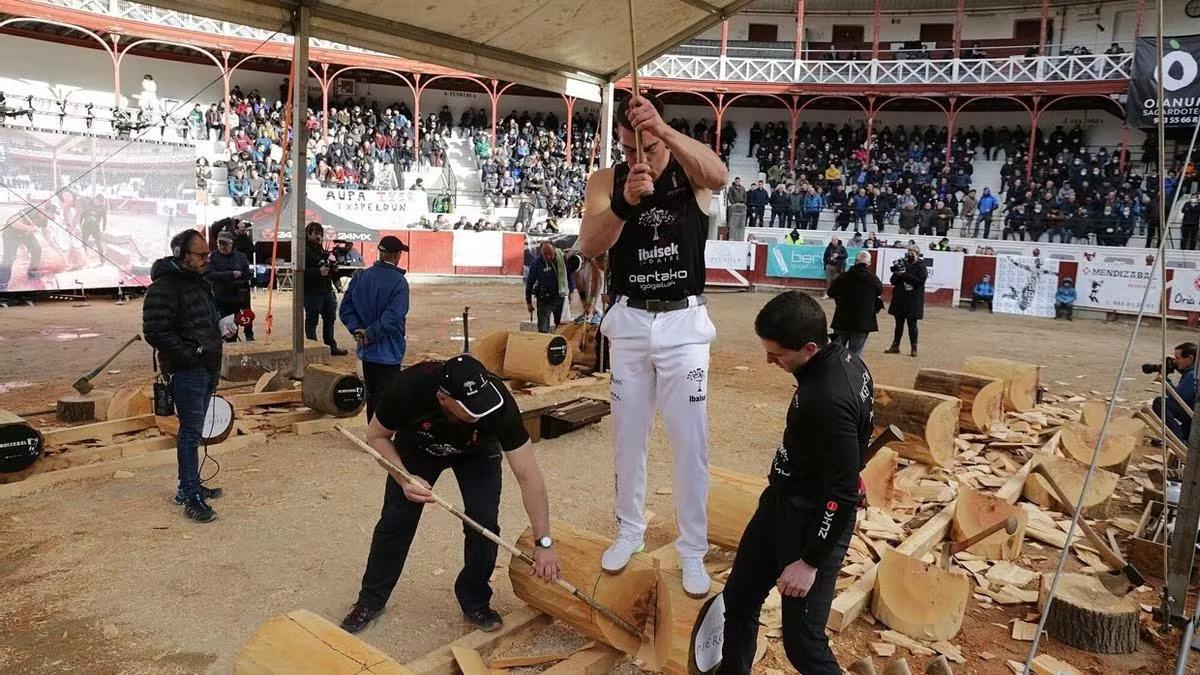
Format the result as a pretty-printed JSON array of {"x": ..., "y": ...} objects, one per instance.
[
  {"x": 870, "y": 125},
  {"x": 325, "y": 101},
  {"x": 951, "y": 121},
  {"x": 225, "y": 96},
  {"x": 799, "y": 29},
  {"x": 724, "y": 37},
  {"x": 1137, "y": 26},
  {"x": 795, "y": 114},
  {"x": 417, "y": 119},
  {"x": 1034, "y": 116},
  {"x": 1042, "y": 30},
  {"x": 958, "y": 24},
  {"x": 875, "y": 30},
  {"x": 495, "y": 96},
  {"x": 570, "y": 100},
  {"x": 1124, "y": 147},
  {"x": 720, "y": 111}
]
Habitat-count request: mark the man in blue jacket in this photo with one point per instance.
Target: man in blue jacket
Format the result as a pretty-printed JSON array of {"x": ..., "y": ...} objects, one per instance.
[
  {"x": 814, "y": 203},
  {"x": 987, "y": 207},
  {"x": 1064, "y": 300},
  {"x": 984, "y": 292},
  {"x": 547, "y": 281},
  {"x": 1178, "y": 420},
  {"x": 374, "y": 309}
]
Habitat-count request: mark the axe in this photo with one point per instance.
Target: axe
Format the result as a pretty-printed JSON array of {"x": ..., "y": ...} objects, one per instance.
[
  {"x": 890, "y": 434},
  {"x": 949, "y": 548},
  {"x": 1122, "y": 577},
  {"x": 84, "y": 384}
]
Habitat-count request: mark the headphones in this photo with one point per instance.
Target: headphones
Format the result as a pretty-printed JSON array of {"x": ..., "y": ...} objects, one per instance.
[{"x": 180, "y": 243}]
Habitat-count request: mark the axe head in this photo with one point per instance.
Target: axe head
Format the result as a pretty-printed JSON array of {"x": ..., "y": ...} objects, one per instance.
[
  {"x": 83, "y": 385},
  {"x": 947, "y": 553},
  {"x": 1121, "y": 582}
]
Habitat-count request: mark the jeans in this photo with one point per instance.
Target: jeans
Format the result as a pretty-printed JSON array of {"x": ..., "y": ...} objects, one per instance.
[
  {"x": 479, "y": 481},
  {"x": 899, "y": 333},
  {"x": 12, "y": 239},
  {"x": 552, "y": 307},
  {"x": 855, "y": 342},
  {"x": 1177, "y": 419},
  {"x": 756, "y": 216},
  {"x": 770, "y": 543},
  {"x": 986, "y": 219},
  {"x": 321, "y": 306},
  {"x": 781, "y": 216},
  {"x": 810, "y": 219},
  {"x": 376, "y": 378},
  {"x": 985, "y": 299},
  {"x": 192, "y": 389}
]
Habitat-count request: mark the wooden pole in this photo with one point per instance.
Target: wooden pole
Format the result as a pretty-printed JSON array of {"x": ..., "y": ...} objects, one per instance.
[
  {"x": 299, "y": 179},
  {"x": 633, "y": 76}
]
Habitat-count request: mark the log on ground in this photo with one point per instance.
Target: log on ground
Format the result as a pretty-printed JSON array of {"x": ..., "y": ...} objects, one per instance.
[
  {"x": 490, "y": 351},
  {"x": 1079, "y": 442},
  {"x": 537, "y": 357},
  {"x": 76, "y": 407},
  {"x": 1020, "y": 379},
  {"x": 131, "y": 402},
  {"x": 732, "y": 499},
  {"x": 982, "y": 396},
  {"x": 333, "y": 391},
  {"x": 20, "y": 444},
  {"x": 1092, "y": 413},
  {"x": 583, "y": 338},
  {"x": 975, "y": 511},
  {"x": 1087, "y": 616},
  {"x": 1069, "y": 475},
  {"x": 919, "y": 599},
  {"x": 302, "y": 642},
  {"x": 929, "y": 422}
]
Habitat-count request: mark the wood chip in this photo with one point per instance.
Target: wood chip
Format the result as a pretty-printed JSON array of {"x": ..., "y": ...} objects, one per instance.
[
  {"x": 1024, "y": 631},
  {"x": 986, "y": 656},
  {"x": 949, "y": 651},
  {"x": 1008, "y": 573},
  {"x": 1045, "y": 664},
  {"x": 902, "y": 640},
  {"x": 883, "y": 649}
]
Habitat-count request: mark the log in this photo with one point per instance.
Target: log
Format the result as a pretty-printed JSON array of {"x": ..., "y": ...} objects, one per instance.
[
  {"x": 20, "y": 444},
  {"x": 1087, "y": 616},
  {"x": 537, "y": 357},
  {"x": 332, "y": 391},
  {"x": 687, "y": 632},
  {"x": 732, "y": 499},
  {"x": 975, "y": 511},
  {"x": 76, "y": 407},
  {"x": 102, "y": 431},
  {"x": 982, "y": 397},
  {"x": 583, "y": 337},
  {"x": 929, "y": 422},
  {"x": 131, "y": 402},
  {"x": 302, "y": 642},
  {"x": 878, "y": 476},
  {"x": 1020, "y": 379},
  {"x": 919, "y": 599},
  {"x": 519, "y": 625},
  {"x": 595, "y": 660},
  {"x": 1092, "y": 413},
  {"x": 1079, "y": 443},
  {"x": 1069, "y": 475},
  {"x": 490, "y": 351}
]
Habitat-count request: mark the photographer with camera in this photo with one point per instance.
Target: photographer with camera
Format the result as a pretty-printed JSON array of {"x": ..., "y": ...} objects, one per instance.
[
  {"x": 1184, "y": 361},
  {"x": 908, "y": 297},
  {"x": 320, "y": 269}
]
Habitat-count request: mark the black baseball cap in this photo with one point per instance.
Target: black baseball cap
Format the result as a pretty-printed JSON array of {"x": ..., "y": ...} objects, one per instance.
[
  {"x": 390, "y": 244},
  {"x": 470, "y": 384}
]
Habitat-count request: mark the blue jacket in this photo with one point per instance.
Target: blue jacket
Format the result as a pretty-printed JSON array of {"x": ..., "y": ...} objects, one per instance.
[
  {"x": 377, "y": 301},
  {"x": 1186, "y": 387},
  {"x": 987, "y": 203},
  {"x": 861, "y": 203},
  {"x": 541, "y": 281},
  {"x": 1065, "y": 295},
  {"x": 984, "y": 289},
  {"x": 813, "y": 203}
]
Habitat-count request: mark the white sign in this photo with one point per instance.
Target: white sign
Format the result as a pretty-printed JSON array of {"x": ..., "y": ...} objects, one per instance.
[
  {"x": 376, "y": 209},
  {"x": 1185, "y": 290},
  {"x": 1025, "y": 285},
  {"x": 1117, "y": 286},
  {"x": 729, "y": 255},
  {"x": 477, "y": 249},
  {"x": 944, "y": 267}
]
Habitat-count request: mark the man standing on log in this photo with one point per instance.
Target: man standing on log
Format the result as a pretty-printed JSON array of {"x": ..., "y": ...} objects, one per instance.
[
  {"x": 799, "y": 534},
  {"x": 652, "y": 218},
  {"x": 452, "y": 415}
]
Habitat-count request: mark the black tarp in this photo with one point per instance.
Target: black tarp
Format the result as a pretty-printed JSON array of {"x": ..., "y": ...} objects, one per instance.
[{"x": 263, "y": 220}]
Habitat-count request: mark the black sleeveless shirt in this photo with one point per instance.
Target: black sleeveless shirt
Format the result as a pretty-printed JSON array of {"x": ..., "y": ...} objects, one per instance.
[{"x": 660, "y": 252}]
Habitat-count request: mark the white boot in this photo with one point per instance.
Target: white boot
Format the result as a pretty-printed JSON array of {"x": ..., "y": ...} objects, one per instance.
[
  {"x": 623, "y": 547},
  {"x": 695, "y": 578}
]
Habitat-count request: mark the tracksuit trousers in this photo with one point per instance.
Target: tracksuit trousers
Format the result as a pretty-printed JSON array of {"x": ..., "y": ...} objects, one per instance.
[{"x": 660, "y": 362}]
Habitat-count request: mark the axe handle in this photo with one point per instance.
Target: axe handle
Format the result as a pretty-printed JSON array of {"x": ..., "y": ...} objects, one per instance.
[
  {"x": 1111, "y": 557},
  {"x": 960, "y": 546},
  {"x": 102, "y": 366}
]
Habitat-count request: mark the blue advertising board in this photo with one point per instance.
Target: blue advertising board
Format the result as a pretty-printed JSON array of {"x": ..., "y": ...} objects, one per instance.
[{"x": 803, "y": 261}]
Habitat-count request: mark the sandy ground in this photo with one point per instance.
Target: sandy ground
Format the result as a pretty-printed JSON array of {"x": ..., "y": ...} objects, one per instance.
[{"x": 105, "y": 576}]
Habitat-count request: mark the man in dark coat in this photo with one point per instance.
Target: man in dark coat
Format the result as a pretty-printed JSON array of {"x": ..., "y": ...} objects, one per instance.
[
  {"x": 229, "y": 272},
  {"x": 756, "y": 204},
  {"x": 319, "y": 301},
  {"x": 858, "y": 294},
  {"x": 908, "y": 297}
]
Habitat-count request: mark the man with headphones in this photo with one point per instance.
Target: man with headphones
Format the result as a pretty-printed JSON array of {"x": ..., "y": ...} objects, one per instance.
[{"x": 180, "y": 321}]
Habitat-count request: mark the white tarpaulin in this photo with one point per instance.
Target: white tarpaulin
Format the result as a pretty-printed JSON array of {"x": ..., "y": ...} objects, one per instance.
[
  {"x": 1117, "y": 286},
  {"x": 1185, "y": 290},
  {"x": 1025, "y": 285},
  {"x": 729, "y": 255},
  {"x": 477, "y": 249},
  {"x": 945, "y": 267}
]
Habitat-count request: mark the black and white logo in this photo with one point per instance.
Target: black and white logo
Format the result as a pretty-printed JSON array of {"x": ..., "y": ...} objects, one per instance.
[{"x": 1178, "y": 68}]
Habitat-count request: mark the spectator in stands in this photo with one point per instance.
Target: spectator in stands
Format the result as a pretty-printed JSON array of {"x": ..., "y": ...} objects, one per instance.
[
  {"x": 547, "y": 281},
  {"x": 1064, "y": 300},
  {"x": 239, "y": 187},
  {"x": 908, "y": 297},
  {"x": 735, "y": 194},
  {"x": 943, "y": 218},
  {"x": 781, "y": 204},
  {"x": 756, "y": 134},
  {"x": 1114, "y": 50},
  {"x": 833, "y": 176},
  {"x": 814, "y": 203},
  {"x": 910, "y": 219},
  {"x": 987, "y": 206},
  {"x": 983, "y": 292},
  {"x": 756, "y": 203},
  {"x": 1150, "y": 209},
  {"x": 834, "y": 261},
  {"x": 1189, "y": 223},
  {"x": 320, "y": 269},
  {"x": 925, "y": 220},
  {"x": 1015, "y": 223}
]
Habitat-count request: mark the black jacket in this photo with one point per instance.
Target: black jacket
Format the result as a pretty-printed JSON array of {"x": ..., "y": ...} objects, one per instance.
[
  {"x": 226, "y": 289},
  {"x": 857, "y": 294},
  {"x": 179, "y": 318},
  {"x": 908, "y": 291},
  {"x": 835, "y": 256},
  {"x": 314, "y": 282}
]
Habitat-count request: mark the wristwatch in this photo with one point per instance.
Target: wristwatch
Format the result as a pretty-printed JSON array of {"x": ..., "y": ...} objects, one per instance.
[{"x": 544, "y": 542}]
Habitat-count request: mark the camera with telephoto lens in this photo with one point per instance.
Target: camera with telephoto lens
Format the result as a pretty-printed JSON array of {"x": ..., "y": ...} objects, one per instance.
[
  {"x": 1149, "y": 368},
  {"x": 899, "y": 266}
]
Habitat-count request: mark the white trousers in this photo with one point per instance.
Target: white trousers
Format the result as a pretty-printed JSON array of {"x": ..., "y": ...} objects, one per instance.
[{"x": 660, "y": 362}]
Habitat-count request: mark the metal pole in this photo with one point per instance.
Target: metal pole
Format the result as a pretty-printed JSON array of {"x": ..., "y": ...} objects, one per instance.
[
  {"x": 299, "y": 177},
  {"x": 875, "y": 30},
  {"x": 958, "y": 24},
  {"x": 1042, "y": 30},
  {"x": 606, "y": 123}
]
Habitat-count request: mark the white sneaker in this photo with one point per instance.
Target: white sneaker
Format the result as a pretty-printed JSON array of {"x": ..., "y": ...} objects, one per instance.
[
  {"x": 623, "y": 547},
  {"x": 695, "y": 578}
]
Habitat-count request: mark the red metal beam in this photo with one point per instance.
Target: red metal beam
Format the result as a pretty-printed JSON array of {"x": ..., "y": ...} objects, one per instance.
[
  {"x": 875, "y": 29},
  {"x": 724, "y": 37},
  {"x": 1137, "y": 26},
  {"x": 1042, "y": 30},
  {"x": 958, "y": 24},
  {"x": 800, "y": 29}
]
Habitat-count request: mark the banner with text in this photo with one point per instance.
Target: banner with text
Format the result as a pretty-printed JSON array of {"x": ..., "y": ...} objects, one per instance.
[
  {"x": 729, "y": 255},
  {"x": 944, "y": 267},
  {"x": 1185, "y": 290},
  {"x": 377, "y": 209},
  {"x": 1117, "y": 286},
  {"x": 804, "y": 261},
  {"x": 1025, "y": 285},
  {"x": 1180, "y": 70}
]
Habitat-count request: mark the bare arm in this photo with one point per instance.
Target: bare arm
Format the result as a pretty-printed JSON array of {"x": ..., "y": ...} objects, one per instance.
[
  {"x": 600, "y": 226},
  {"x": 703, "y": 167},
  {"x": 533, "y": 488}
]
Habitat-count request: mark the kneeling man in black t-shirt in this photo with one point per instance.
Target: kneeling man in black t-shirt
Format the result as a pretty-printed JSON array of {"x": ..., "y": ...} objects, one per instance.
[{"x": 451, "y": 415}]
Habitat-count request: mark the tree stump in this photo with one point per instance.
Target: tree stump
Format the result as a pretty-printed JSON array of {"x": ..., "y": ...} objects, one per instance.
[
  {"x": 1069, "y": 475},
  {"x": 1087, "y": 616},
  {"x": 20, "y": 444},
  {"x": 490, "y": 352},
  {"x": 975, "y": 511},
  {"x": 1093, "y": 414},
  {"x": 982, "y": 397},
  {"x": 1020, "y": 379},
  {"x": 302, "y": 642},
  {"x": 929, "y": 422},
  {"x": 537, "y": 357},
  {"x": 919, "y": 599},
  {"x": 76, "y": 407},
  {"x": 332, "y": 391},
  {"x": 1079, "y": 442}
]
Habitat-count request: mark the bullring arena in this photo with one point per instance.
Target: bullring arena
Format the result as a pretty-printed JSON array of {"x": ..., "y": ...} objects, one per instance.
[{"x": 101, "y": 573}]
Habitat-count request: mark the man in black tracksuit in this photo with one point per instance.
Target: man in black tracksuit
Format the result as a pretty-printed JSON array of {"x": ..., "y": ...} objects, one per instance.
[
  {"x": 229, "y": 273},
  {"x": 799, "y": 534},
  {"x": 319, "y": 301}
]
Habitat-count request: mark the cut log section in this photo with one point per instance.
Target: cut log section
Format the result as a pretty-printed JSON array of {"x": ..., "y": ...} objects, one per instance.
[
  {"x": 1069, "y": 475},
  {"x": 332, "y": 391},
  {"x": 302, "y": 642},
  {"x": 688, "y": 632},
  {"x": 1092, "y": 413},
  {"x": 975, "y": 511},
  {"x": 929, "y": 422},
  {"x": 732, "y": 499},
  {"x": 131, "y": 402},
  {"x": 1079, "y": 442},
  {"x": 878, "y": 476},
  {"x": 982, "y": 397},
  {"x": 20, "y": 444},
  {"x": 1087, "y": 616},
  {"x": 1020, "y": 379},
  {"x": 541, "y": 358},
  {"x": 490, "y": 351},
  {"x": 92, "y": 406},
  {"x": 921, "y": 600},
  {"x": 583, "y": 337}
]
